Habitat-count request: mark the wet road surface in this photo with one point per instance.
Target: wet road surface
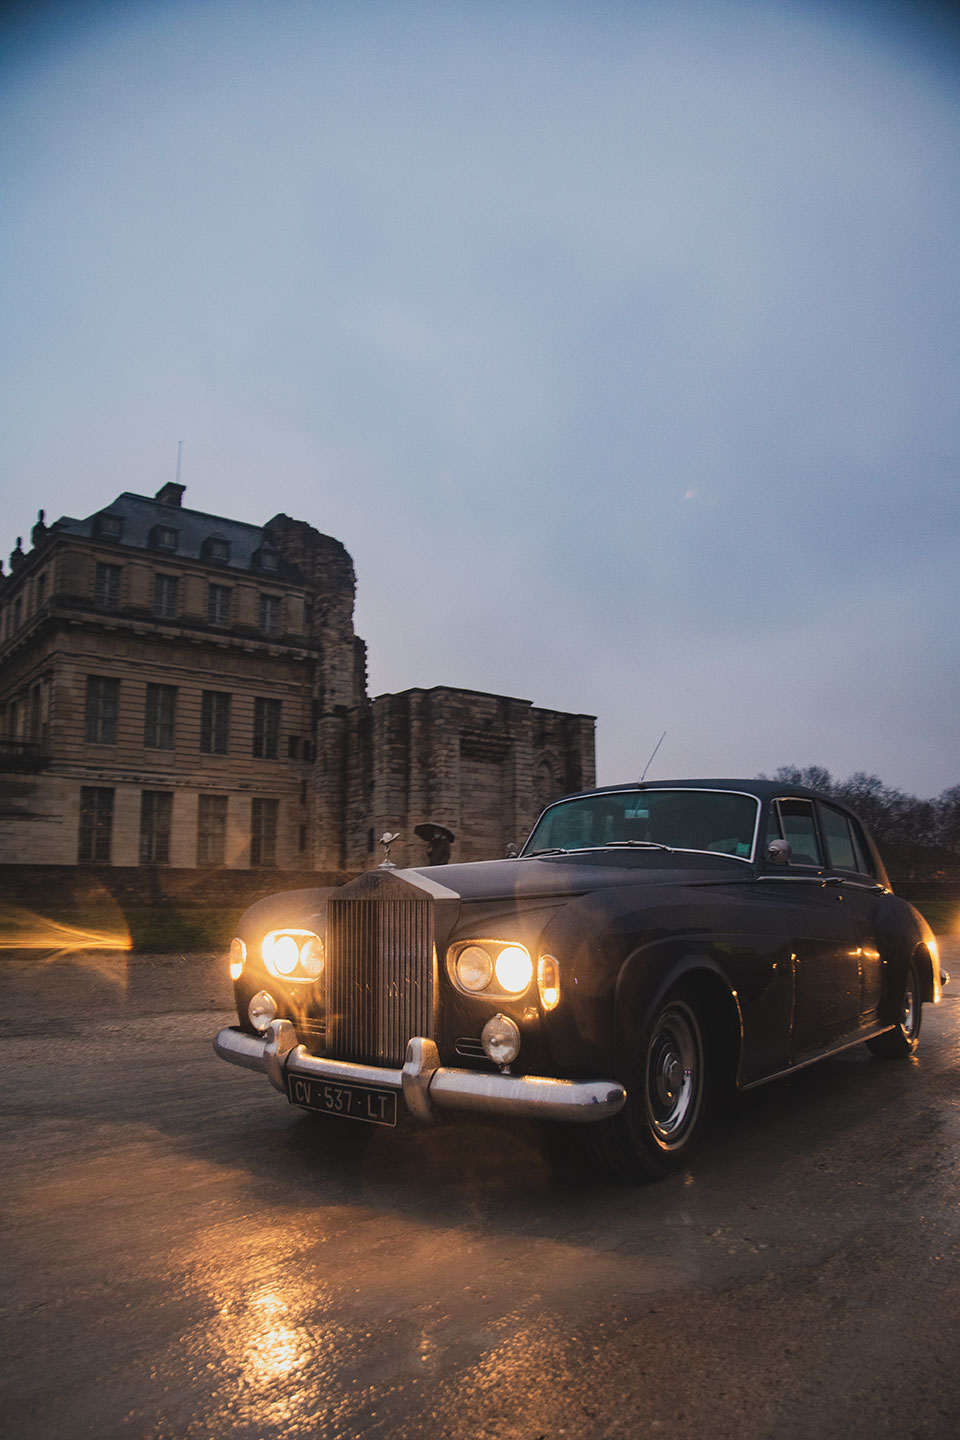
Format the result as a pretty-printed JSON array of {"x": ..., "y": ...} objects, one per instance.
[{"x": 186, "y": 1255}]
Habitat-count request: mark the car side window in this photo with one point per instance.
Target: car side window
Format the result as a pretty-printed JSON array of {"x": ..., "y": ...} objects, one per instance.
[
  {"x": 845, "y": 842},
  {"x": 800, "y": 831},
  {"x": 836, "y": 832}
]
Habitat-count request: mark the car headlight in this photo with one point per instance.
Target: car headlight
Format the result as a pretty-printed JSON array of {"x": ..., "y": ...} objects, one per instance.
[
  {"x": 496, "y": 965},
  {"x": 474, "y": 968},
  {"x": 293, "y": 954},
  {"x": 514, "y": 969}
]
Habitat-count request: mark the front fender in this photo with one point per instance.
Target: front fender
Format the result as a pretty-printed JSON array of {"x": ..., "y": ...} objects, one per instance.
[{"x": 656, "y": 969}]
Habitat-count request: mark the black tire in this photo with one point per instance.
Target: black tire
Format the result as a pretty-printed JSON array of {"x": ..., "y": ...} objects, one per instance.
[
  {"x": 666, "y": 1102},
  {"x": 902, "y": 1040}
]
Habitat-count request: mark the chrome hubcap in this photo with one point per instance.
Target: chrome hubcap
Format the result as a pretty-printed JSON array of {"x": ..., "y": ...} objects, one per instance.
[
  {"x": 674, "y": 1074},
  {"x": 909, "y": 1020}
]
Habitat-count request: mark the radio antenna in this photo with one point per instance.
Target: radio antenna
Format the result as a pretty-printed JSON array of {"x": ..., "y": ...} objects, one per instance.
[
  {"x": 179, "y": 458},
  {"x": 650, "y": 761}
]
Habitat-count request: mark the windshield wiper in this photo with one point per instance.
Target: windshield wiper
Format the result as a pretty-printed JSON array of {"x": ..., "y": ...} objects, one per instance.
[
  {"x": 638, "y": 845},
  {"x": 556, "y": 850}
]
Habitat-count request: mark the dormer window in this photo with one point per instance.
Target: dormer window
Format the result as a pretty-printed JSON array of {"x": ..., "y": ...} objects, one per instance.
[
  {"x": 163, "y": 537},
  {"x": 265, "y": 558},
  {"x": 108, "y": 527},
  {"x": 217, "y": 549}
]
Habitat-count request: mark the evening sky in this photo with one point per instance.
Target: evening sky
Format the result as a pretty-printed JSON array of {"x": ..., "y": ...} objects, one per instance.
[{"x": 618, "y": 342}]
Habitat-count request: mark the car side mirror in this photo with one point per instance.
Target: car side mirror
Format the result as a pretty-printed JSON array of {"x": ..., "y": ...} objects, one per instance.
[
  {"x": 511, "y": 852},
  {"x": 778, "y": 852}
]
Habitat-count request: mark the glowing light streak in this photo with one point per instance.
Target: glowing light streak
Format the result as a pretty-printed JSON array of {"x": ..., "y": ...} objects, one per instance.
[{"x": 22, "y": 930}]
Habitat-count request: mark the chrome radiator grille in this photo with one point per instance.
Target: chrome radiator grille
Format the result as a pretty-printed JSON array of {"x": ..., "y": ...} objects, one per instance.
[{"x": 380, "y": 977}]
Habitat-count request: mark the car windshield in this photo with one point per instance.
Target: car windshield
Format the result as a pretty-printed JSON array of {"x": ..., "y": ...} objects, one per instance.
[{"x": 716, "y": 820}]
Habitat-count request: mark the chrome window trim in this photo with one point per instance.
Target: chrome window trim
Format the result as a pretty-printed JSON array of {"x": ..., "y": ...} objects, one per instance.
[{"x": 657, "y": 790}]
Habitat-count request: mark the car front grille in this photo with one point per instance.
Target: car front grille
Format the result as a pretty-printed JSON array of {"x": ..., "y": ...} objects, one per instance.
[
  {"x": 310, "y": 1032},
  {"x": 380, "y": 975}
]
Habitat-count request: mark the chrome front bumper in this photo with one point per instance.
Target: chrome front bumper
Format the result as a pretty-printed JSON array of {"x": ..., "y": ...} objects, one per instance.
[{"x": 426, "y": 1085}]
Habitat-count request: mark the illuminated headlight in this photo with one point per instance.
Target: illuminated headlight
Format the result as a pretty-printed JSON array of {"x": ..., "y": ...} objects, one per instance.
[
  {"x": 501, "y": 1040},
  {"x": 514, "y": 969},
  {"x": 548, "y": 982},
  {"x": 238, "y": 958},
  {"x": 262, "y": 1010},
  {"x": 492, "y": 964},
  {"x": 293, "y": 954}
]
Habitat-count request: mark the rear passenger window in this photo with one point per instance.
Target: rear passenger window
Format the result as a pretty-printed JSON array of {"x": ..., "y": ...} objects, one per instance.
[
  {"x": 800, "y": 832},
  {"x": 845, "y": 842},
  {"x": 836, "y": 832}
]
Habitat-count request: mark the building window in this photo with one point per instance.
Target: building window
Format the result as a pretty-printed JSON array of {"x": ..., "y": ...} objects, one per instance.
[
  {"x": 156, "y": 810},
  {"x": 214, "y": 722},
  {"x": 96, "y": 825},
  {"x": 217, "y": 549},
  {"x": 263, "y": 832},
  {"x": 100, "y": 714},
  {"x": 106, "y": 589},
  {"x": 218, "y": 604},
  {"x": 266, "y": 729},
  {"x": 162, "y": 537},
  {"x": 211, "y": 829},
  {"x": 270, "y": 614},
  {"x": 265, "y": 559},
  {"x": 40, "y": 591},
  {"x": 165, "y": 596},
  {"x": 159, "y": 717},
  {"x": 17, "y": 613},
  {"x": 108, "y": 527}
]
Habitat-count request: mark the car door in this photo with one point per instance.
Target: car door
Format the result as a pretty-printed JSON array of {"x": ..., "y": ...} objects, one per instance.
[
  {"x": 850, "y": 860},
  {"x": 824, "y": 937}
]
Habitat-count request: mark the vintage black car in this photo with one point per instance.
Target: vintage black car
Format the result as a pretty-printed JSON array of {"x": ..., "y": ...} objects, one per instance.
[{"x": 649, "y": 944}]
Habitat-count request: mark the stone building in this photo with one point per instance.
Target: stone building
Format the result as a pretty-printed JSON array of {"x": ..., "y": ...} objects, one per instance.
[{"x": 179, "y": 689}]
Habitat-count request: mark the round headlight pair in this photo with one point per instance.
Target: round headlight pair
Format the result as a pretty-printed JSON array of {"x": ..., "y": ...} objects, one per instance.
[
  {"x": 478, "y": 964},
  {"x": 293, "y": 954}
]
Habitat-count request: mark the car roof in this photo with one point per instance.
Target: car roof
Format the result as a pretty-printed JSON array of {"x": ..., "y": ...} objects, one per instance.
[{"x": 763, "y": 789}]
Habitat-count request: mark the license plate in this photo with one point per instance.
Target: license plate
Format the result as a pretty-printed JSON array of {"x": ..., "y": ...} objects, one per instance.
[{"x": 340, "y": 1097}]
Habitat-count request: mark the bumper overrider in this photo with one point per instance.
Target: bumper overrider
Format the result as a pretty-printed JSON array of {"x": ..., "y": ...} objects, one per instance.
[{"x": 425, "y": 1085}]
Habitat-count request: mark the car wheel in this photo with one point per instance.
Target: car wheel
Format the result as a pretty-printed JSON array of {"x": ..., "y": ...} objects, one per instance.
[
  {"x": 902, "y": 1039},
  {"x": 655, "y": 1131}
]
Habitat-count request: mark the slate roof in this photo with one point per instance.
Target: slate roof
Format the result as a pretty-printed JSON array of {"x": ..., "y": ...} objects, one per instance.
[{"x": 140, "y": 513}]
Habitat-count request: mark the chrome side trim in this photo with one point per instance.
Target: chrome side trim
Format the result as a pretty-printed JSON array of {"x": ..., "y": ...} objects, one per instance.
[
  {"x": 859, "y": 1039},
  {"x": 425, "y": 1084}
]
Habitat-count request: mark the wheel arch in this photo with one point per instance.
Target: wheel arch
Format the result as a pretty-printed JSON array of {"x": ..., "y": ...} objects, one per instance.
[
  {"x": 696, "y": 978},
  {"x": 928, "y": 971}
]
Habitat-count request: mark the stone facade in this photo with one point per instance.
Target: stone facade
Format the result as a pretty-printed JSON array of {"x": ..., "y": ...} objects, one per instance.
[{"x": 183, "y": 690}]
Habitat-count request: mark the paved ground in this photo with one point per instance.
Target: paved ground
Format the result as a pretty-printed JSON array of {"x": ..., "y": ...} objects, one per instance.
[{"x": 188, "y": 1256}]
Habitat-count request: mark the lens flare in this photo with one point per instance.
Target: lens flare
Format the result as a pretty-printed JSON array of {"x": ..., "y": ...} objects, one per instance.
[{"x": 22, "y": 930}]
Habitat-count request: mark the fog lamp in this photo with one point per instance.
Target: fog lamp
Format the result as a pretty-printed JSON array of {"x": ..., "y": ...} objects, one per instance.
[
  {"x": 238, "y": 958},
  {"x": 514, "y": 969},
  {"x": 262, "y": 1010},
  {"x": 501, "y": 1040},
  {"x": 548, "y": 982}
]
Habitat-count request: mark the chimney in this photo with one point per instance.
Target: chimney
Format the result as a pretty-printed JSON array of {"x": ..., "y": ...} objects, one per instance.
[{"x": 171, "y": 494}]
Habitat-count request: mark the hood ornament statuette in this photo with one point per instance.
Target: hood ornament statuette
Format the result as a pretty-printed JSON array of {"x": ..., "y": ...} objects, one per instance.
[{"x": 386, "y": 840}]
